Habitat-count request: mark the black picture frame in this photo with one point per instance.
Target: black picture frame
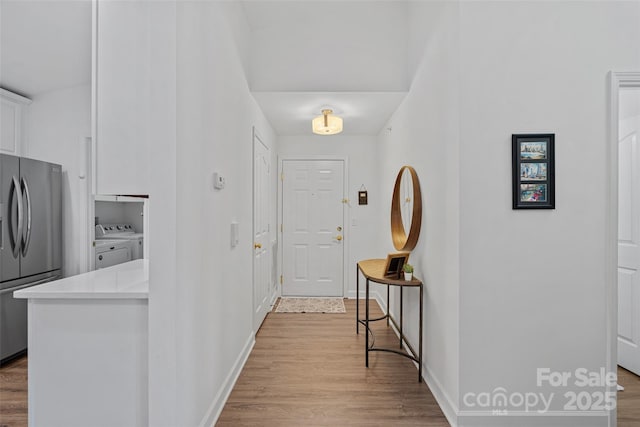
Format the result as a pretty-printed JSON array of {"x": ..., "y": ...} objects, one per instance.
[
  {"x": 394, "y": 264},
  {"x": 533, "y": 171}
]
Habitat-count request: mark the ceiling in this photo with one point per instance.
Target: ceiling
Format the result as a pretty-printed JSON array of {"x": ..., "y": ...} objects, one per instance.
[
  {"x": 351, "y": 56},
  {"x": 364, "y": 113},
  {"x": 45, "y": 45}
]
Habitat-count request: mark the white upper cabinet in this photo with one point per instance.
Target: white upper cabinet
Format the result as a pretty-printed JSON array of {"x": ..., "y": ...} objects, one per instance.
[
  {"x": 122, "y": 89},
  {"x": 11, "y": 116}
]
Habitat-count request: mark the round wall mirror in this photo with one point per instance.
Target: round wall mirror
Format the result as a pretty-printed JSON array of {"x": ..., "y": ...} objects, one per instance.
[{"x": 406, "y": 210}]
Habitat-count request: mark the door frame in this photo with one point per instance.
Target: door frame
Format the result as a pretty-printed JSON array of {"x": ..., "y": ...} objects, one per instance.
[
  {"x": 346, "y": 213},
  {"x": 617, "y": 80}
]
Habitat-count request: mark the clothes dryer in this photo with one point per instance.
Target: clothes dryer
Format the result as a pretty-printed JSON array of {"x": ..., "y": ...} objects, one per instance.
[
  {"x": 111, "y": 252},
  {"x": 123, "y": 232}
]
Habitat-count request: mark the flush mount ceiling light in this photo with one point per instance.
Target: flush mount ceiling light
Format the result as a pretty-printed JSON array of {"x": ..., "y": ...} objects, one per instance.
[{"x": 327, "y": 123}]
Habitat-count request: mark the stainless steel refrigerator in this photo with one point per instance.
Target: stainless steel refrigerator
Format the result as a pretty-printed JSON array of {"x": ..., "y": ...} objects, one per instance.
[{"x": 30, "y": 240}]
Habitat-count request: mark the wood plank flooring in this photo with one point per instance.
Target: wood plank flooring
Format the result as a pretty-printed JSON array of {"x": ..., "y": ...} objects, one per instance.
[
  {"x": 13, "y": 393},
  {"x": 308, "y": 369},
  {"x": 629, "y": 399}
]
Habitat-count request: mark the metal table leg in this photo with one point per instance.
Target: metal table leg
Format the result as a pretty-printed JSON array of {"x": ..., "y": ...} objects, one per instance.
[
  {"x": 420, "y": 340},
  {"x": 366, "y": 332},
  {"x": 357, "y": 299},
  {"x": 401, "y": 310},
  {"x": 388, "y": 308}
]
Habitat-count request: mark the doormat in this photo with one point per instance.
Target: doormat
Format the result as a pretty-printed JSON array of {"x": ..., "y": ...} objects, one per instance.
[{"x": 310, "y": 305}]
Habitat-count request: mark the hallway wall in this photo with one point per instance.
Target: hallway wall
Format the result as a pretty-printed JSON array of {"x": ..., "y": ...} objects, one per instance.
[
  {"x": 533, "y": 292},
  {"x": 424, "y": 133},
  {"x": 201, "y": 293},
  {"x": 216, "y": 114},
  {"x": 508, "y": 291}
]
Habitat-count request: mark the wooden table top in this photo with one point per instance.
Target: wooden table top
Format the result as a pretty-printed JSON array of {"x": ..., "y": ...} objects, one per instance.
[{"x": 373, "y": 269}]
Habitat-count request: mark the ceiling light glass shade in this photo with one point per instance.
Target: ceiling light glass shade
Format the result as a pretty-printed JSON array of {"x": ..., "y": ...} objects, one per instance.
[{"x": 327, "y": 123}]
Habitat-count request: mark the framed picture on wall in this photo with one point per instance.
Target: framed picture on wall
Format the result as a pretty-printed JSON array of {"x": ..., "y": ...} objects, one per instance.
[{"x": 533, "y": 173}]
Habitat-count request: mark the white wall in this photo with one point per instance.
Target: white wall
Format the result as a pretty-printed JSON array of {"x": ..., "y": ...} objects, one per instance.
[
  {"x": 491, "y": 69},
  {"x": 215, "y": 117},
  {"x": 201, "y": 117},
  {"x": 362, "y": 158},
  {"x": 164, "y": 284},
  {"x": 532, "y": 282},
  {"x": 424, "y": 134},
  {"x": 55, "y": 125}
]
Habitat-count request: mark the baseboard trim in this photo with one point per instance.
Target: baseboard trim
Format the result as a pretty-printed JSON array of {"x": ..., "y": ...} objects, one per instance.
[
  {"x": 274, "y": 297},
  {"x": 532, "y": 419},
  {"x": 219, "y": 401},
  {"x": 445, "y": 403}
]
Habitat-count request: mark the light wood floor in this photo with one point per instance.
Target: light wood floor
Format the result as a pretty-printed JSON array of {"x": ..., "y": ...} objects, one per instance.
[
  {"x": 13, "y": 393},
  {"x": 308, "y": 369},
  {"x": 629, "y": 399}
]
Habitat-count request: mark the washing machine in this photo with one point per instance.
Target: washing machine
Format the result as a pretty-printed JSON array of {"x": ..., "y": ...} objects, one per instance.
[
  {"x": 111, "y": 252},
  {"x": 122, "y": 232}
]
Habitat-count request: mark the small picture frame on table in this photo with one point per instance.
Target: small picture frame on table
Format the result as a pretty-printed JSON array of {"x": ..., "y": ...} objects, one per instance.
[
  {"x": 395, "y": 262},
  {"x": 533, "y": 171}
]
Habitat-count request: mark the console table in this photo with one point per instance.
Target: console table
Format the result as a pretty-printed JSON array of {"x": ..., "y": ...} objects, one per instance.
[{"x": 373, "y": 271}]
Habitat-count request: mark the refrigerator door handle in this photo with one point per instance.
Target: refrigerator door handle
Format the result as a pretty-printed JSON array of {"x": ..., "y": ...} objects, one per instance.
[
  {"x": 13, "y": 195},
  {"x": 27, "y": 239}
]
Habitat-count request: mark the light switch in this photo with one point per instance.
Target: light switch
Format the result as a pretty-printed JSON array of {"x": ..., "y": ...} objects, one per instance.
[
  {"x": 218, "y": 181},
  {"x": 235, "y": 234}
]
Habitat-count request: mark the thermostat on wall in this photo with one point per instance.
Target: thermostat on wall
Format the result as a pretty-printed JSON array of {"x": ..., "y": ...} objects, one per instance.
[{"x": 218, "y": 181}]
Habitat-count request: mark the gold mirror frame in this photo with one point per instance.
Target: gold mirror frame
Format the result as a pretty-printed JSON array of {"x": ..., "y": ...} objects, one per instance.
[{"x": 401, "y": 241}]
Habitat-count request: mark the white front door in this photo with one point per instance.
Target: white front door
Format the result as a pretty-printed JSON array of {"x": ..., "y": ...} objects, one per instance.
[
  {"x": 629, "y": 230},
  {"x": 262, "y": 283},
  {"x": 312, "y": 227}
]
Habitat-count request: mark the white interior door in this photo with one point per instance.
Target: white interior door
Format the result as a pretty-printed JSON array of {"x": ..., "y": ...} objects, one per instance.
[
  {"x": 312, "y": 227},
  {"x": 629, "y": 231},
  {"x": 262, "y": 285}
]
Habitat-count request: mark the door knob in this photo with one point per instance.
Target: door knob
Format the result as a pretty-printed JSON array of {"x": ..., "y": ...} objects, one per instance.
[
  {"x": 338, "y": 238},
  {"x": 257, "y": 246}
]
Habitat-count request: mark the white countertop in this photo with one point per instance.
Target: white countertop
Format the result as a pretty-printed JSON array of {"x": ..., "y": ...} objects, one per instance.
[{"x": 129, "y": 280}]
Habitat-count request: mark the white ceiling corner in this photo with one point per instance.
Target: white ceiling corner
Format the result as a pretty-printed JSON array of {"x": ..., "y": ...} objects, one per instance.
[
  {"x": 349, "y": 55},
  {"x": 44, "y": 45}
]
